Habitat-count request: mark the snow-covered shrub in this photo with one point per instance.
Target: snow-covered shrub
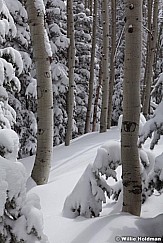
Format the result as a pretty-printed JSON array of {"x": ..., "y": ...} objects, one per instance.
[
  {"x": 56, "y": 25},
  {"x": 108, "y": 159},
  {"x": 147, "y": 162},
  {"x": 20, "y": 215},
  {"x": 158, "y": 176},
  {"x": 90, "y": 192},
  {"x": 154, "y": 127},
  {"x": 87, "y": 197},
  {"x": 117, "y": 97}
]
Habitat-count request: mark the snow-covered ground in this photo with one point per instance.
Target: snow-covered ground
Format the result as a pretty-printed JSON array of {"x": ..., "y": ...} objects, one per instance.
[{"x": 67, "y": 167}]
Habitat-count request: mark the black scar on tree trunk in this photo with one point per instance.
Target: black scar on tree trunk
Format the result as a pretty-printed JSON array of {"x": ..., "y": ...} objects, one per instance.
[{"x": 129, "y": 126}]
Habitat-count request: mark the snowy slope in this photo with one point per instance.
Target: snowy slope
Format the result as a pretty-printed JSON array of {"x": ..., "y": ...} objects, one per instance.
[{"x": 68, "y": 165}]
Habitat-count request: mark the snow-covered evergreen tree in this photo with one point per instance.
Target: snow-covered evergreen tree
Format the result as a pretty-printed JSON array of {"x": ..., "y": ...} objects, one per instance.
[
  {"x": 119, "y": 60},
  {"x": 11, "y": 66},
  {"x": 20, "y": 215},
  {"x": 21, "y": 218},
  {"x": 56, "y": 25},
  {"x": 23, "y": 102},
  {"x": 83, "y": 26}
]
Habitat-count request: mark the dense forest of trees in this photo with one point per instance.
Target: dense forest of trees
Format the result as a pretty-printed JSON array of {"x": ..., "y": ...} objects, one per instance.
[
  {"x": 73, "y": 67},
  {"x": 88, "y": 81}
]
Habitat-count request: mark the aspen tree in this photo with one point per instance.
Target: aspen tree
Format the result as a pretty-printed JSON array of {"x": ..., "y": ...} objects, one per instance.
[
  {"x": 97, "y": 99},
  {"x": 71, "y": 64},
  {"x": 149, "y": 19},
  {"x": 158, "y": 46},
  {"x": 151, "y": 49},
  {"x": 131, "y": 108},
  {"x": 91, "y": 6},
  {"x": 112, "y": 60},
  {"x": 105, "y": 67},
  {"x": 91, "y": 80},
  {"x": 86, "y": 4},
  {"x": 40, "y": 172}
]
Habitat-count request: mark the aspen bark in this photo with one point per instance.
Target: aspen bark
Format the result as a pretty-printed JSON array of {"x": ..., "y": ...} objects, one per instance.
[
  {"x": 105, "y": 67},
  {"x": 149, "y": 21},
  {"x": 112, "y": 60},
  {"x": 131, "y": 108},
  {"x": 41, "y": 169},
  {"x": 91, "y": 6},
  {"x": 91, "y": 81},
  {"x": 71, "y": 65},
  {"x": 150, "y": 59},
  {"x": 97, "y": 99},
  {"x": 158, "y": 47},
  {"x": 86, "y": 4}
]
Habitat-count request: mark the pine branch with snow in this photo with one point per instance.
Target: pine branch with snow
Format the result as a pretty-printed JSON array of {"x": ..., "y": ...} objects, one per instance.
[{"x": 154, "y": 126}]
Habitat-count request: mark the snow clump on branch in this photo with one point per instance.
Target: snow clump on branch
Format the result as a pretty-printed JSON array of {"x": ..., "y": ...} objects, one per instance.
[{"x": 154, "y": 127}]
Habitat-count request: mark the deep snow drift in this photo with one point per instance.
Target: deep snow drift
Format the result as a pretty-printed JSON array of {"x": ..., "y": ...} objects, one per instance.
[{"x": 68, "y": 165}]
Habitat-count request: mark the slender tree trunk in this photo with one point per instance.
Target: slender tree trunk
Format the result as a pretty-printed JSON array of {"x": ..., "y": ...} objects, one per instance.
[
  {"x": 105, "y": 67},
  {"x": 112, "y": 60},
  {"x": 40, "y": 172},
  {"x": 157, "y": 56},
  {"x": 97, "y": 99},
  {"x": 144, "y": 10},
  {"x": 71, "y": 65},
  {"x": 91, "y": 81},
  {"x": 152, "y": 40},
  {"x": 149, "y": 4},
  {"x": 161, "y": 49},
  {"x": 131, "y": 108},
  {"x": 91, "y": 6},
  {"x": 86, "y": 4}
]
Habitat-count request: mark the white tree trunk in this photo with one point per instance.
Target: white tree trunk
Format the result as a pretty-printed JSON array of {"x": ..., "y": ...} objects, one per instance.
[
  {"x": 150, "y": 59},
  {"x": 112, "y": 60},
  {"x": 94, "y": 125},
  {"x": 105, "y": 67},
  {"x": 40, "y": 172},
  {"x": 71, "y": 65},
  {"x": 131, "y": 108},
  {"x": 149, "y": 4},
  {"x": 91, "y": 80}
]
